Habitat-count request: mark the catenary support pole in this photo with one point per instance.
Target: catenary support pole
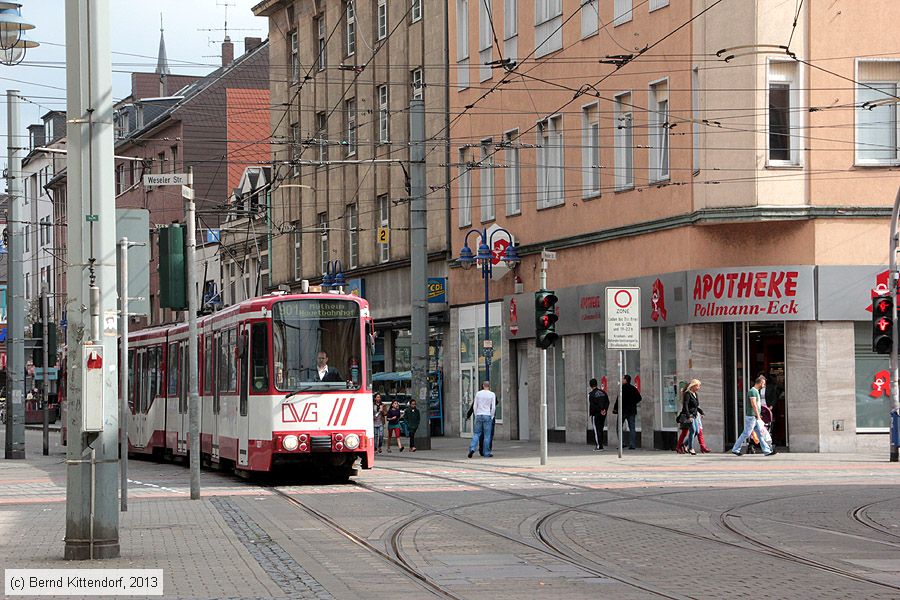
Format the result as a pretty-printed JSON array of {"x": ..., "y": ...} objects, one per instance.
[
  {"x": 543, "y": 379},
  {"x": 418, "y": 240},
  {"x": 45, "y": 354},
  {"x": 92, "y": 517},
  {"x": 123, "y": 372},
  {"x": 190, "y": 214},
  {"x": 621, "y": 399},
  {"x": 895, "y": 367},
  {"x": 15, "y": 366}
]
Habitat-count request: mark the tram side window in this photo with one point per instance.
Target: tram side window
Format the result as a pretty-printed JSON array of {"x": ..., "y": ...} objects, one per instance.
[
  {"x": 259, "y": 357},
  {"x": 208, "y": 356},
  {"x": 131, "y": 391},
  {"x": 227, "y": 366},
  {"x": 155, "y": 369},
  {"x": 172, "y": 371}
]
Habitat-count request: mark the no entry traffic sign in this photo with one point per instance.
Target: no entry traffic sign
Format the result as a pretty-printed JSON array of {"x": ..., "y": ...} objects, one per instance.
[{"x": 623, "y": 318}]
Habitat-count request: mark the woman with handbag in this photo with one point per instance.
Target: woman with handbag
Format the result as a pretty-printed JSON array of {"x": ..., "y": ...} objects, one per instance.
[{"x": 690, "y": 419}]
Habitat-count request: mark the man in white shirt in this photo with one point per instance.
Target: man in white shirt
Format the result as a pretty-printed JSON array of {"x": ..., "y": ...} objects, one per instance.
[
  {"x": 323, "y": 371},
  {"x": 485, "y": 405}
]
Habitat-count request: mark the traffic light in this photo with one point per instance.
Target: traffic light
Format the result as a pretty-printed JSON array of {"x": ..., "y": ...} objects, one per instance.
[
  {"x": 545, "y": 318},
  {"x": 172, "y": 268},
  {"x": 882, "y": 324},
  {"x": 37, "y": 354}
]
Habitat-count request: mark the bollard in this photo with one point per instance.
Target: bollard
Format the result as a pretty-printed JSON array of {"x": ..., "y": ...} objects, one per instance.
[{"x": 895, "y": 435}]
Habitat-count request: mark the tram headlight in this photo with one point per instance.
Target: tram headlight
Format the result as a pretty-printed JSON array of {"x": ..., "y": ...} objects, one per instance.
[
  {"x": 351, "y": 441},
  {"x": 290, "y": 443}
]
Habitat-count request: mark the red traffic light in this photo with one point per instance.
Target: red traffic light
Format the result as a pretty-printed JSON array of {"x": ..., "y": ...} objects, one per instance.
[{"x": 883, "y": 324}]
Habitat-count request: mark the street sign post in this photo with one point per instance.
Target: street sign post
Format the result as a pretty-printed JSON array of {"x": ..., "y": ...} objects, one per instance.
[{"x": 623, "y": 332}]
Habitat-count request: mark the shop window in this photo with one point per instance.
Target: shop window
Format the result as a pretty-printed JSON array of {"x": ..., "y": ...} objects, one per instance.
[
  {"x": 556, "y": 386},
  {"x": 873, "y": 398},
  {"x": 670, "y": 386}
]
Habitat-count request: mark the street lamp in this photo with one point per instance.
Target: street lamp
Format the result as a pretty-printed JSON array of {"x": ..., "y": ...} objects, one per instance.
[
  {"x": 13, "y": 44},
  {"x": 333, "y": 276},
  {"x": 485, "y": 259}
]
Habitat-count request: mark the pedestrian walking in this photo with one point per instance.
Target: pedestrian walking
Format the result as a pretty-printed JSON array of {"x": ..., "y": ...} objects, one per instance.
[
  {"x": 598, "y": 405},
  {"x": 412, "y": 416},
  {"x": 393, "y": 424},
  {"x": 753, "y": 420},
  {"x": 691, "y": 415},
  {"x": 469, "y": 415},
  {"x": 631, "y": 397},
  {"x": 485, "y": 406},
  {"x": 378, "y": 417}
]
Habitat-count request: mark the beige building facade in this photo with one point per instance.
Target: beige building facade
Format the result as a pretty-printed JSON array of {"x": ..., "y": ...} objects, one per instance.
[{"x": 733, "y": 160}]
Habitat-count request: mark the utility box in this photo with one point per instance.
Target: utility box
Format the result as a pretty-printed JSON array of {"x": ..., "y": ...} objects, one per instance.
[{"x": 93, "y": 386}]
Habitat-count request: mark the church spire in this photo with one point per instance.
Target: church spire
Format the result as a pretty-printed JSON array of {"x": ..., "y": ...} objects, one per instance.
[{"x": 162, "y": 63}]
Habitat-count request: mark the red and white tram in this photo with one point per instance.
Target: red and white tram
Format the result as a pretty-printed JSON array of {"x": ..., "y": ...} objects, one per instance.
[{"x": 265, "y": 402}]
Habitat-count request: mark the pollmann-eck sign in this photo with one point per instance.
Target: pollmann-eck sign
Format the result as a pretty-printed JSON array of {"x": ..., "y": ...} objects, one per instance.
[
  {"x": 166, "y": 179},
  {"x": 623, "y": 318}
]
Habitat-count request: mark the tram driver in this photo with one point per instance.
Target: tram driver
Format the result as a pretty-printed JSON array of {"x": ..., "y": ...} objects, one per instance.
[{"x": 323, "y": 372}]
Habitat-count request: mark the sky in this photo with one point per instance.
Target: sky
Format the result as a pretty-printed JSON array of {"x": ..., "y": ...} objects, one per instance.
[{"x": 134, "y": 25}]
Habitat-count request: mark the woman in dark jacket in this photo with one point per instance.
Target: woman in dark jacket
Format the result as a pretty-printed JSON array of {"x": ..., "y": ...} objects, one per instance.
[
  {"x": 690, "y": 407},
  {"x": 393, "y": 424},
  {"x": 412, "y": 416}
]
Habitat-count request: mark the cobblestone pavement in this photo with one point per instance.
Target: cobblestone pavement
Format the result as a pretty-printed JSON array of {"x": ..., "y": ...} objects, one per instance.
[{"x": 436, "y": 524}]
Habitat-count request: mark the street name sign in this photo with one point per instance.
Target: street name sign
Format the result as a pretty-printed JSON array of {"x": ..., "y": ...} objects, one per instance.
[
  {"x": 623, "y": 318},
  {"x": 166, "y": 179}
]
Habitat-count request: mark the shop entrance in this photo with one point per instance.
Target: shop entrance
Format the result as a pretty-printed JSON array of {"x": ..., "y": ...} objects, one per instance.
[{"x": 753, "y": 349}]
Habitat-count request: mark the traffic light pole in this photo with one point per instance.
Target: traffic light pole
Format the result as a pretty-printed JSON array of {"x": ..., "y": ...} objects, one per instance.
[
  {"x": 45, "y": 388},
  {"x": 190, "y": 215},
  {"x": 895, "y": 368},
  {"x": 543, "y": 379}
]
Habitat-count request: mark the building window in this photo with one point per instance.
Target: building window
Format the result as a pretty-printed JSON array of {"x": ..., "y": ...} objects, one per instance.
[
  {"x": 322, "y": 135},
  {"x": 294, "y": 153},
  {"x": 550, "y": 166},
  {"x": 465, "y": 190},
  {"x": 624, "y": 143},
  {"x": 352, "y": 236},
  {"x": 590, "y": 18},
  {"x": 174, "y": 150},
  {"x": 350, "y": 119},
  {"x": 321, "y": 36},
  {"x": 657, "y": 4},
  {"x": 547, "y": 27},
  {"x": 695, "y": 114},
  {"x": 383, "y": 114},
  {"x": 622, "y": 12},
  {"x": 590, "y": 152},
  {"x": 350, "y": 27},
  {"x": 511, "y": 158},
  {"x": 418, "y": 84},
  {"x": 120, "y": 178},
  {"x": 381, "y": 21},
  {"x": 783, "y": 109},
  {"x": 298, "y": 263},
  {"x": 510, "y": 29},
  {"x": 295, "y": 57},
  {"x": 322, "y": 226},
  {"x": 161, "y": 157},
  {"x": 876, "y": 113},
  {"x": 659, "y": 131},
  {"x": 384, "y": 222},
  {"x": 462, "y": 43},
  {"x": 416, "y": 10},
  {"x": 28, "y": 238},
  {"x": 486, "y": 168},
  {"x": 485, "y": 39}
]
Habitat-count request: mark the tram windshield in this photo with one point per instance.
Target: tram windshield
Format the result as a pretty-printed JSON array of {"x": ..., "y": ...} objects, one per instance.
[{"x": 316, "y": 345}]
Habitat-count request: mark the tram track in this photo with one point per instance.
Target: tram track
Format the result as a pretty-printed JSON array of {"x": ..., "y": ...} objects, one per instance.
[
  {"x": 861, "y": 516},
  {"x": 723, "y": 519}
]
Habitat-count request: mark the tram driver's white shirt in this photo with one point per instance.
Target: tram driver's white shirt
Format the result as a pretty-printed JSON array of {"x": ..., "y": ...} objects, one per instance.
[
  {"x": 322, "y": 372},
  {"x": 485, "y": 403}
]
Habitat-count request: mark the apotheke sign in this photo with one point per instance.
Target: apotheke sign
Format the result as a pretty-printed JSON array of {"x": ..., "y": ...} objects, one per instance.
[{"x": 741, "y": 294}]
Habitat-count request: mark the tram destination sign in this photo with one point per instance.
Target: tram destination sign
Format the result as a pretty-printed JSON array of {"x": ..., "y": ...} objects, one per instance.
[
  {"x": 316, "y": 309},
  {"x": 623, "y": 318}
]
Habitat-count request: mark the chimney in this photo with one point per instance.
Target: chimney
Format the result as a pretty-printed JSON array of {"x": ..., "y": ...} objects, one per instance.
[
  {"x": 251, "y": 43},
  {"x": 227, "y": 52}
]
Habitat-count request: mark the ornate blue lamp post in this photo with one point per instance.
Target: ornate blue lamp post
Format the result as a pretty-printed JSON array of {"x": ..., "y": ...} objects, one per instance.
[
  {"x": 333, "y": 276},
  {"x": 485, "y": 259}
]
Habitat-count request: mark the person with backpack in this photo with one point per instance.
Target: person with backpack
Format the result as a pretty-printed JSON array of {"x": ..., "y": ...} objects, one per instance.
[{"x": 598, "y": 405}]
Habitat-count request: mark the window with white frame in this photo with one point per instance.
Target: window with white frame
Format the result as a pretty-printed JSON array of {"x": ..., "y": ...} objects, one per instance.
[
  {"x": 322, "y": 226},
  {"x": 349, "y": 28},
  {"x": 547, "y": 27},
  {"x": 322, "y": 37},
  {"x": 462, "y": 43},
  {"x": 298, "y": 263},
  {"x": 465, "y": 189},
  {"x": 416, "y": 10},
  {"x": 485, "y": 39},
  {"x": 624, "y": 142},
  {"x": 120, "y": 178},
  {"x": 294, "y": 153},
  {"x": 383, "y": 114},
  {"x": 657, "y": 4},
  {"x": 658, "y": 132},
  {"x": 695, "y": 117},
  {"x": 322, "y": 135},
  {"x": 384, "y": 221},
  {"x": 487, "y": 180},
  {"x": 876, "y": 113},
  {"x": 622, "y": 12},
  {"x": 350, "y": 120},
  {"x": 418, "y": 84},
  {"x": 511, "y": 158},
  {"x": 510, "y": 29},
  {"x": 381, "y": 24},
  {"x": 590, "y": 17},
  {"x": 295, "y": 57},
  {"x": 784, "y": 116},
  {"x": 352, "y": 236},
  {"x": 590, "y": 151},
  {"x": 550, "y": 167}
]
